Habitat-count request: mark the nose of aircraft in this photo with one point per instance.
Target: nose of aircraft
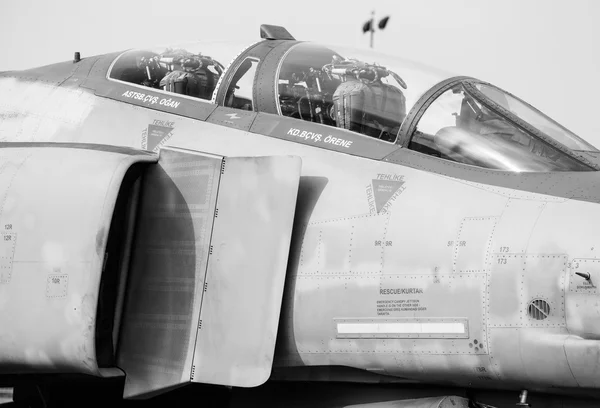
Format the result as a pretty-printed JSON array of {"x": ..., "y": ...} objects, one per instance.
[{"x": 560, "y": 266}]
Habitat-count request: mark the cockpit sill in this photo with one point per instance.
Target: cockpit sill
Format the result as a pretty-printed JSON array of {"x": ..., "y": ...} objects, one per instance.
[{"x": 592, "y": 156}]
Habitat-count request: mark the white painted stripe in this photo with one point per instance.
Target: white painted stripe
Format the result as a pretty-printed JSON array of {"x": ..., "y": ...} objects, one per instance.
[{"x": 401, "y": 328}]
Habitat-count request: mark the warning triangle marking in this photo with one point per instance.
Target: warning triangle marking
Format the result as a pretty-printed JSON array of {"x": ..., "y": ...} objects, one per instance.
[
  {"x": 157, "y": 134},
  {"x": 384, "y": 190}
]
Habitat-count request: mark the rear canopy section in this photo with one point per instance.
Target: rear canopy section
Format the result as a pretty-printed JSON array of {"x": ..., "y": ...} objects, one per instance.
[{"x": 168, "y": 268}]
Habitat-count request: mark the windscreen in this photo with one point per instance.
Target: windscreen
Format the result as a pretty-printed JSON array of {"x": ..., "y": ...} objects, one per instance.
[
  {"x": 360, "y": 91},
  {"x": 458, "y": 127},
  {"x": 535, "y": 118}
]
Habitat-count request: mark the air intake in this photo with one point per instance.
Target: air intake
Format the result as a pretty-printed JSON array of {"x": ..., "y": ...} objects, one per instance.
[{"x": 538, "y": 309}]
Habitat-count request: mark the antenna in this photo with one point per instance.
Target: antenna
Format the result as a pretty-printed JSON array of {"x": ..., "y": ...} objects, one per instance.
[{"x": 370, "y": 26}]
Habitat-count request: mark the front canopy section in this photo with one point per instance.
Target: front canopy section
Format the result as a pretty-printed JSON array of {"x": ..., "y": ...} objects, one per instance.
[
  {"x": 531, "y": 115},
  {"x": 478, "y": 124},
  {"x": 361, "y": 91}
]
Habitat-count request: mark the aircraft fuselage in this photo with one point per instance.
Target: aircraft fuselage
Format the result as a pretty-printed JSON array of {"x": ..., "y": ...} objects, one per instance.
[{"x": 401, "y": 264}]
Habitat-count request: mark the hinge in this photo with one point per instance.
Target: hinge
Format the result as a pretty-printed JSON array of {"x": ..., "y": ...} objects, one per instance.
[
  {"x": 216, "y": 212},
  {"x": 223, "y": 166},
  {"x": 200, "y": 325},
  {"x": 210, "y": 250},
  {"x": 193, "y": 372},
  {"x": 205, "y": 286}
]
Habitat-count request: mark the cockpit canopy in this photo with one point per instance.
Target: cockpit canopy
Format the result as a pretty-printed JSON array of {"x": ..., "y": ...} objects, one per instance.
[
  {"x": 319, "y": 85},
  {"x": 361, "y": 91},
  {"x": 478, "y": 124},
  {"x": 191, "y": 70},
  {"x": 174, "y": 70},
  {"x": 384, "y": 98}
]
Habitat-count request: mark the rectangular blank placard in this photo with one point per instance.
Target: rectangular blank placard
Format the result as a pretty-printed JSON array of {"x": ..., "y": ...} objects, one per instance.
[{"x": 402, "y": 328}]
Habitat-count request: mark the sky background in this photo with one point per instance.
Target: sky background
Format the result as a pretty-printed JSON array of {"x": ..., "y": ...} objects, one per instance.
[{"x": 544, "y": 51}]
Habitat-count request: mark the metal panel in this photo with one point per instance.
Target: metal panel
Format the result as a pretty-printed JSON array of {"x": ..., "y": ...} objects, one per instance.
[
  {"x": 544, "y": 278},
  {"x": 505, "y": 308},
  {"x": 581, "y": 300},
  {"x": 531, "y": 356},
  {"x": 150, "y": 98},
  {"x": 323, "y": 300},
  {"x": 473, "y": 243},
  {"x": 56, "y": 206},
  {"x": 167, "y": 273},
  {"x": 583, "y": 356},
  {"x": 513, "y": 231},
  {"x": 475, "y": 369},
  {"x": 578, "y": 284},
  {"x": 544, "y": 187},
  {"x": 517, "y": 280},
  {"x": 543, "y": 354},
  {"x": 246, "y": 272},
  {"x": 235, "y": 118},
  {"x": 326, "y": 137},
  {"x": 344, "y": 246}
]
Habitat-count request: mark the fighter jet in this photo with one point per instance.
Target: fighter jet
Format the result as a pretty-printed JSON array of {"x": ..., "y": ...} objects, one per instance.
[{"x": 292, "y": 224}]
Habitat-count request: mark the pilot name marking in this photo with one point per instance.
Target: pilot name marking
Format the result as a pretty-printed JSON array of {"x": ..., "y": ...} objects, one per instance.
[
  {"x": 151, "y": 99},
  {"x": 400, "y": 291},
  {"x": 305, "y": 134},
  {"x": 318, "y": 137},
  {"x": 338, "y": 141}
]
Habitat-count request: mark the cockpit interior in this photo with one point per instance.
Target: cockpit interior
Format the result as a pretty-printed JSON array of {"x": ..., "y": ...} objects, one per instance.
[{"x": 173, "y": 70}]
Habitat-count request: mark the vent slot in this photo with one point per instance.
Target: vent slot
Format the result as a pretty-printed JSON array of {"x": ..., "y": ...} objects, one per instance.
[{"x": 538, "y": 309}]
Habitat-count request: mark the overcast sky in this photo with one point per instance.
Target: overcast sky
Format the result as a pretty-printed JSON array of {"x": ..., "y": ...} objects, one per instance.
[{"x": 544, "y": 51}]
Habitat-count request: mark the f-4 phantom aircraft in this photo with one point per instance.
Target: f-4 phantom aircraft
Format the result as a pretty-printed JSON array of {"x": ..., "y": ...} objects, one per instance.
[{"x": 292, "y": 224}]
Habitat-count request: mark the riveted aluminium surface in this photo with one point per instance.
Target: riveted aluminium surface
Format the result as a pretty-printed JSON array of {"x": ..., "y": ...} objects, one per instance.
[
  {"x": 472, "y": 245},
  {"x": 401, "y": 302},
  {"x": 167, "y": 273},
  {"x": 583, "y": 356},
  {"x": 581, "y": 298},
  {"x": 542, "y": 356},
  {"x": 56, "y": 206},
  {"x": 246, "y": 271},
  {"x": 517, "y": 279}
]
